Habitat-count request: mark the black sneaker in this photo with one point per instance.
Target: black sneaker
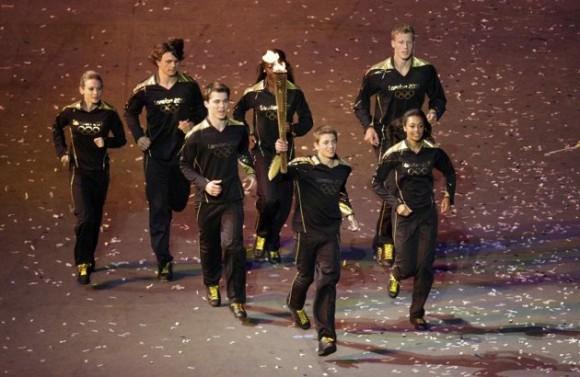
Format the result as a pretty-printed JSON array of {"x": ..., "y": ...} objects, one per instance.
[
  {"x": 420, "y": 324},
  {"x": 326, "y": 346},
  {"x": 213, "y": 295},
  {"x": 394, "y": 287},
  {"x": 83, "y": 273},
  {"x": 274, "y": 257},
  {"x": 300, "y": 318},
  {"x": 165, "y": 271},
  {"x": 239, "y": 310}
]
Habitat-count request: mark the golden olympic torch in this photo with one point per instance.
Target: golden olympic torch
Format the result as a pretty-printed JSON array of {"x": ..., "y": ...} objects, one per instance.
[{"x": 280, "y": 85}]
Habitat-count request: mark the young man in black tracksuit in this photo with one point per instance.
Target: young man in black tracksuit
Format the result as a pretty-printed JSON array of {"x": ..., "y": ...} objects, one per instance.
[
  {"x": 415, "y": 213},
  {"x": 321, "y": 201},
  {"x": 274, "y": 197},
  {"x": 399, "y": 83},
  {"x": 174, "y": 104},
  {"x": 94, "y": 127},
  {"x": 209, "y": 159}
]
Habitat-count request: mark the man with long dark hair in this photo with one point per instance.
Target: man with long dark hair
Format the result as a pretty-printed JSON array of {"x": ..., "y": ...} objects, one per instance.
[{"x": 174, "y": 104}]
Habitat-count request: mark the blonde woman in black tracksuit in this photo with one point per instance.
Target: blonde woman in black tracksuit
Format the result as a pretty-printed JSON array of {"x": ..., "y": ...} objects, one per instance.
[{"x": 94, "y": 126}]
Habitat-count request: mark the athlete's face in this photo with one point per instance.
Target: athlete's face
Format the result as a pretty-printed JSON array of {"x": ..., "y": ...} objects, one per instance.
[
  {"x": 403, "y": 45},
  {"x": 92, "y": 90},
  {"x": 168, "y": 64},
  {"x": 326, "y": 146},
  {"x": 268, "y": 68},
  {"x": 414, "y": 128},
  {"x": 218, "y": 105}
]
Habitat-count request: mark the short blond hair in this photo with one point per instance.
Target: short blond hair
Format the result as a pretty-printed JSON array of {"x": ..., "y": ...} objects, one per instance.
[
  {"x": 90, "y": 75},
  {"x": 402, "y": 29},
  {"x": 325, "y": 130}
]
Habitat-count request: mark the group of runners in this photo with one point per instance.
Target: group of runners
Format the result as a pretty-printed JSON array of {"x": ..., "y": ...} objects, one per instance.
[{"x": 189, "y": 138}]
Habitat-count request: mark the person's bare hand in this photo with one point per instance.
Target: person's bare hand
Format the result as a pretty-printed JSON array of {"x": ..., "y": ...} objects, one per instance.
[
  {"x": 403, "y": 210},
  {"x": 371, "y": 137},
  {"x": 64, "y": 160},
  {"x": 214, "y": 188},
  {"x": 185, "y": 126},
  {"x": 445, "y": 205},
  {"x": 281, "y": 146},
  {"x": 353, "y": 224},
  {"x": 144, "y": 143},
  {"x": 99, "y": 142},
  {"x": 432, "y": 116}
]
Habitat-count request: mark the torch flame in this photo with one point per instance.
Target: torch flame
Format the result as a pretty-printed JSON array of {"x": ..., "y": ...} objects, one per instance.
[
  {"x": 270, "y": 57},
  {"x": 279, "y": 67}
]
